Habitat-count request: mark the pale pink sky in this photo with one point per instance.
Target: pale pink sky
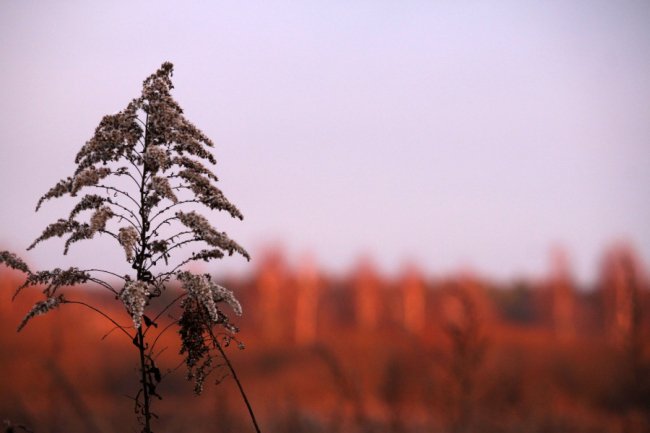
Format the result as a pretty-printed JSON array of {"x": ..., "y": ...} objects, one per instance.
[{"x": 454, "y": 134}]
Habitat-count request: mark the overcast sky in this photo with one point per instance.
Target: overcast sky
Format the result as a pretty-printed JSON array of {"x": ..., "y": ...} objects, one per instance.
[{"x": 457, "y": 135}]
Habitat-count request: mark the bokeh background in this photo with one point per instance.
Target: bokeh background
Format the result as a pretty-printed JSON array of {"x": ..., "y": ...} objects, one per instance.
[{"x": 446, "y": 204}]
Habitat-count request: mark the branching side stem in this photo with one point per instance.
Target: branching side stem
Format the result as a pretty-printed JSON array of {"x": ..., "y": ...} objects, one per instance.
[{"x": 215, "y": 343}]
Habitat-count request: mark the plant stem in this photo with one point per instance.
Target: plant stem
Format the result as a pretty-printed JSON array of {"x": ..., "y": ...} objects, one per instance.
[
  {"x": 145, "y": 383},
  {"x": 234, "y": 376},
  {"x": 144, "y": 215},
  {"x": 117, "y": 325}
]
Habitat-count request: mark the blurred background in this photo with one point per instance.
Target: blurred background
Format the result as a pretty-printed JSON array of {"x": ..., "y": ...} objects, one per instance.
[{"x": 446, "y": 204}]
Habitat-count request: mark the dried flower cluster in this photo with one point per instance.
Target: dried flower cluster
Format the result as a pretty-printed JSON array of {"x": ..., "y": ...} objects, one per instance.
[
  {"x": 99, "y": 218},
  {"x": 205, "y": 232},
  {"x": 41, "y": 307},
  {"x": 161, "y": 186},
  {"x": 135, "y": 296},
  {"x": 200, "y": 311},
  {"x": 194, "y": 345},
  {"x": 13, "y": 261},
  {"x": 51, "y": 280},
  {"x": 207, "y": 293},
  {"x": 54, "y": 279},
  {"x": 128, "y": 237},
  {"x": 155, "y": 158}
]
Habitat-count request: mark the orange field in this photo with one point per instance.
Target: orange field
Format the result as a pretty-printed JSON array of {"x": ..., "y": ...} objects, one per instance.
[{"x": 360, "y": 353}]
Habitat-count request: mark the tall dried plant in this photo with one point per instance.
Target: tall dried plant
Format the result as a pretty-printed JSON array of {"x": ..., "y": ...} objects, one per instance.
[{"x": 140, "y": 180}]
